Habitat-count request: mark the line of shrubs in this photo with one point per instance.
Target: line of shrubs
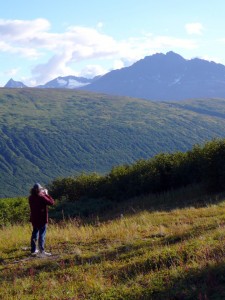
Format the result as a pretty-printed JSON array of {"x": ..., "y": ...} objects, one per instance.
[
  {"x": 93, "y": 194},
  {"x": 14, "y": 210},
  {"x": 203, "y": 164}
]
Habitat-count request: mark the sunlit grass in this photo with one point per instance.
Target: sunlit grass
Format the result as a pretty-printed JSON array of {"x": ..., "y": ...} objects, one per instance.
[{"x": 147, "y": 255}]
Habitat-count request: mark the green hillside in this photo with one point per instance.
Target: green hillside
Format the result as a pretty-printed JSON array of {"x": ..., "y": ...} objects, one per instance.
[
  {"x": 150, "y": 230},
  {"x": 55, "y": 133}
]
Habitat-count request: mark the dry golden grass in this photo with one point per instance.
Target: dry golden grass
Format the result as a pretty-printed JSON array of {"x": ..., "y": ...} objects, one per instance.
[{"x": 147, "y": 255}]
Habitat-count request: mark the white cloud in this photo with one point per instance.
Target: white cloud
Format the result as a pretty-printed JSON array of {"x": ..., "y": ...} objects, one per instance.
[
  {"x": 211, "y": 58},
  {"x": 91, "y": 71},
  {"x": 194, "y": 28},
  {"x": 62, "y": 51},
  {"x": 12, "y": 72},
  {"x": 89, "y": 43},
  {"x": 56, "y": 66},
  {"x": 21, "y": 29},
  {"x": 171, "y": 42},
  {"x": 99, "y": 25},
  {"x": 118, "y": 64},
  {"x": 82, "y": 44},
  {"x": 23, "y": 51}
]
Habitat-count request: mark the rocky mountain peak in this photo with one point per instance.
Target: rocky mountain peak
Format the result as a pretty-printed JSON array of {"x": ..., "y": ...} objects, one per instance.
[{"x": 14, "y": 84}]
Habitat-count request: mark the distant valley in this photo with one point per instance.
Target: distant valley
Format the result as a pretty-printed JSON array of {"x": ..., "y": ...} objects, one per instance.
[{"x": 49, "y": 133}]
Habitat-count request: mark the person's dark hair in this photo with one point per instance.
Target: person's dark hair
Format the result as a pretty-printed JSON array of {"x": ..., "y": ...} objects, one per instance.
[{"x": 34, "y": 191}]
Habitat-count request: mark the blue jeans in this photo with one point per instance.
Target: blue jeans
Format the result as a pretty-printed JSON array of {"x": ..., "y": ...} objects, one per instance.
[{"x": 38, "y": 234}]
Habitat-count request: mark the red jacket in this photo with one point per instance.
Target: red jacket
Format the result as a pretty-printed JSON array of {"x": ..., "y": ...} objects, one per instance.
[{"x": 39, "y": 209}]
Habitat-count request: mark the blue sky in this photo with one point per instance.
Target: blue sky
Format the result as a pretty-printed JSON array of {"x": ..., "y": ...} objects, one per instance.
[{"x": 41, "y": 40}]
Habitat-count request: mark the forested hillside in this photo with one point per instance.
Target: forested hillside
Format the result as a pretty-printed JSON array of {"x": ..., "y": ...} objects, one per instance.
[{"x": 51, "y": 133}]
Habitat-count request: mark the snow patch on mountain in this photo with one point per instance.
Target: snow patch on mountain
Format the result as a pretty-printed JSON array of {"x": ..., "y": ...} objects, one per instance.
[{"x": 175, "y": 81}]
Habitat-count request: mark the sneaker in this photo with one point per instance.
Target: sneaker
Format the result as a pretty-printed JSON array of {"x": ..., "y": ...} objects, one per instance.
[
  {"x": 44, "y": 254},
  {"x": 35, "y": 252}
]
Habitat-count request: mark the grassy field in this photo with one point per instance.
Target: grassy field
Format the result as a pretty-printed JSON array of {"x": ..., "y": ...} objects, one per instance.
[{"x": 151, "y": 253}]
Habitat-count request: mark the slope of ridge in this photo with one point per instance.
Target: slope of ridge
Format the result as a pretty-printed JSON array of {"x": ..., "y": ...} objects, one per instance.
[
  {"x": 164, "y": 77},
  {"x": 51, "y": 133}
]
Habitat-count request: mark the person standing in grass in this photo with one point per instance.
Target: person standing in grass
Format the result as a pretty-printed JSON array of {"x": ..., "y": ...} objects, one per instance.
[{"x": 39, "y": 200}]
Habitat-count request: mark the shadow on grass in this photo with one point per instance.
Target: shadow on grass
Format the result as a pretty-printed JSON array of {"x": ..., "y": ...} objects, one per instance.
[
  {"x": 140, "y": 258},
  {"x": 189, "y": 196},
  {"x": 205, "y": 284},
  {"x": 202, "y": 284}
]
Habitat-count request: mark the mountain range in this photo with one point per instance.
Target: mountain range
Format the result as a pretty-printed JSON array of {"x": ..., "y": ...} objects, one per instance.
[
  {"x": 66, "y": 82},
  {"x": 159, "y": 77},
  {"x": 69, "y": 82}
]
